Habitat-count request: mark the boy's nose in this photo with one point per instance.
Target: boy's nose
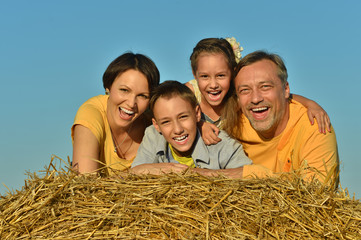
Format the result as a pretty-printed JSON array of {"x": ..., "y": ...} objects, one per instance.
[{"x": 177, "y": 128}]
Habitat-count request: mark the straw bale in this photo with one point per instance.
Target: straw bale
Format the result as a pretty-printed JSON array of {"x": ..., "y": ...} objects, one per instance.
[{"x": 59, "y": 204}]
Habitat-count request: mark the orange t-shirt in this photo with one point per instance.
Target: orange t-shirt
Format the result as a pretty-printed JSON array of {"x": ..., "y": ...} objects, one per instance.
[
  {"x": 300, "y": 144},
  {"x": 92, "y": 114}
]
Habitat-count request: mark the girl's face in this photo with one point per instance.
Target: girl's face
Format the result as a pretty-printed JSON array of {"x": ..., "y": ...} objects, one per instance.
[
  {"x": 213, "y": 76},
  {"x": 128, "y": 98}
]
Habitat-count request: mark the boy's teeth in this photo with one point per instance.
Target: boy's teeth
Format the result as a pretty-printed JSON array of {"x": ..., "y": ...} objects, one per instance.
[
  {"x": 180, "y": 138},
  {"x": 259, "y": 109},
  {"x": 127, "y": 111}
]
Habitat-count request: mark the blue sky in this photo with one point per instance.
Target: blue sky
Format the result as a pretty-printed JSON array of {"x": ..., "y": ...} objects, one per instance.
[{"x": 53, "y": 55}]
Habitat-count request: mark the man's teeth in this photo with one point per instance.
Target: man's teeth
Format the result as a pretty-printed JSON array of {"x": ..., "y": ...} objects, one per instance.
[
  {"x": 260, "y": 109},
  {"x": 127, "y": 111},
  {"x": 181, "y": 138}
]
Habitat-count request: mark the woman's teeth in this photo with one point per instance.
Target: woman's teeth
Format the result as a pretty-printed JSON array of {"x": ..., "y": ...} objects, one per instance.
[{"x": 127, "y": 111}]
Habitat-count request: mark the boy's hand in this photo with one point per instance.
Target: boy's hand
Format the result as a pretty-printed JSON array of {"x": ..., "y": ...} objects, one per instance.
[
  {"x": 209, "y": 133},
  {"x": 158, "y": 168},
  {"x": 234, "y": 173}
]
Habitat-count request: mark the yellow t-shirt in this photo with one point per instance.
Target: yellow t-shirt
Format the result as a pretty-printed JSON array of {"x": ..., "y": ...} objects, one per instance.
[
  {"x": 184, "y": 160},
  {"x": 300, "y": 144},
  {"x": 92, "y": 114}
]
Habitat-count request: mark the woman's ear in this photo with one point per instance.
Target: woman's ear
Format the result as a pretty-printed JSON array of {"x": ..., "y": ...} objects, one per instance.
[
  {"x": 107, "y": 91},
  {"x": 155, "y": 124}
]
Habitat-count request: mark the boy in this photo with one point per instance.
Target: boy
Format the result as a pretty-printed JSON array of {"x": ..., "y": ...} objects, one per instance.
[{"x": 174, "y": 143}]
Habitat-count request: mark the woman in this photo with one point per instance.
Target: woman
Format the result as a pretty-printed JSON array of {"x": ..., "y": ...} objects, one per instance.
[{"x": 108, "y": 129}]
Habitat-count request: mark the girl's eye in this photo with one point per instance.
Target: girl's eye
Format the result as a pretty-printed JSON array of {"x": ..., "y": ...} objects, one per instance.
[{"x": 203, "y": 76}]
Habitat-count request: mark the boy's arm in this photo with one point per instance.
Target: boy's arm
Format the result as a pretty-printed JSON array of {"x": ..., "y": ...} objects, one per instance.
[{"x": 314, "y": 110}]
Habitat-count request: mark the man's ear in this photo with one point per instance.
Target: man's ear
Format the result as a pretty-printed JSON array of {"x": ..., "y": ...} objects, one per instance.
[
  {"x": 155, "y": 124},
  {"x": 287, "y": 90},
  {"x": 198, "y": 113}
]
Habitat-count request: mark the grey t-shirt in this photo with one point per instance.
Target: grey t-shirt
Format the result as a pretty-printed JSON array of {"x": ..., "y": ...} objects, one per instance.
[{"x": 228, "y": 153}]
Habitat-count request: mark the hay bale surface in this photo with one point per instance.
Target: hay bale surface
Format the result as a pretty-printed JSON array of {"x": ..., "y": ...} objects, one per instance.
[{"x": 63, "y": 205}]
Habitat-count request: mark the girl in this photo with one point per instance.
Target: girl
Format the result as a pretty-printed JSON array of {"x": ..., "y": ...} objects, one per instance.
[{"x": 213, "y": 61}]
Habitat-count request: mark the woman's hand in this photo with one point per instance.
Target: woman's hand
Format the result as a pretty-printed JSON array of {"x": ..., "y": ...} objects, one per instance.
[
  {"x": 158, "y": 168},
  {"x": 209, "y": 133}
]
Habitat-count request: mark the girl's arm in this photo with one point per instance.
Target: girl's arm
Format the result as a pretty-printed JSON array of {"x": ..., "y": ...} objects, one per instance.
[
  {"x": 85, "y": 150},
  {"x": 209, "y": 132},
  {"x": 314, "y": 110}
]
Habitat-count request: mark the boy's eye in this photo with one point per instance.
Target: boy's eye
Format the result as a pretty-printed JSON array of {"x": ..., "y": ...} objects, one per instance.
[{"x": 164, "y": 122}]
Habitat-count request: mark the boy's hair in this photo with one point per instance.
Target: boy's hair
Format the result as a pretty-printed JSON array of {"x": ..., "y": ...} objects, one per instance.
[{"x": 169, "y": 89}]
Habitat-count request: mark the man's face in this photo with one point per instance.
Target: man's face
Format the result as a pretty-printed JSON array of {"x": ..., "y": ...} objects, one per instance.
[{"x": 263, "y": 98}]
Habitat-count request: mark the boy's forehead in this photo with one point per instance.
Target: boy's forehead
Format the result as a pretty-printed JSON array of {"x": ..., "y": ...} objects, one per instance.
[{"x": 170, "y": 105}]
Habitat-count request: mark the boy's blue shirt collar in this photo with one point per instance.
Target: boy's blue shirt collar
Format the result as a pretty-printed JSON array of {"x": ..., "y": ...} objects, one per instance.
[{"x": 200, "y": 151}]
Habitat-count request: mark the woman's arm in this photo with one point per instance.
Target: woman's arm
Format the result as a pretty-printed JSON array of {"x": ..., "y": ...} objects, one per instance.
[
  {"x": 314, "y": 110},
  {"x": 85, "y": 150}
]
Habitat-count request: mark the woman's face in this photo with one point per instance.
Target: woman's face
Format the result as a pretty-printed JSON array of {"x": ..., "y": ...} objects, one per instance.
[{"x": 128, "y": 98}]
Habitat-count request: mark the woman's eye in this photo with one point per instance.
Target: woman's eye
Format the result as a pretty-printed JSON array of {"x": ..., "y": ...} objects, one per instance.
[
  {"x": 143, "y": 96},
  {"x": 123, "y": 90}
]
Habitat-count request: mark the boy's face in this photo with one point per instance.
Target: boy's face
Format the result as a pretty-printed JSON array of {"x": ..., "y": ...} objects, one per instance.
[{"x": 177, "y": 120}]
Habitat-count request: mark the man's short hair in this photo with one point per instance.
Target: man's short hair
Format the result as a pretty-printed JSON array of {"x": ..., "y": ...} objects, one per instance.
[{"x": 263, "y": 55}]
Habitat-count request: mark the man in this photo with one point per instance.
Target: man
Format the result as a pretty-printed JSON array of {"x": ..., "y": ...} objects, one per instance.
[{"x": 274, "y": 129}]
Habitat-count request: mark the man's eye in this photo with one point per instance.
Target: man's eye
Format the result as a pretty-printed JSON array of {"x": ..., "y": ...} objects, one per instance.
[
  {"x": 244, "y": 91},
  {"x": 265, "y": 87}
]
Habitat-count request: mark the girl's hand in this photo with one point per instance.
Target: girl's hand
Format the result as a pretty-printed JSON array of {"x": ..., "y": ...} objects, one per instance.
[
  {"x": 323, "y": 120},
  {"x": 314, "y": 110},
  {"x": 209, "y": 133}
]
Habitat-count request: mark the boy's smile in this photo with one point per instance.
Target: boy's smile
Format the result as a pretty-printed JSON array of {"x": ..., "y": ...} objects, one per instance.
[{"x": 176, "y": 120}]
